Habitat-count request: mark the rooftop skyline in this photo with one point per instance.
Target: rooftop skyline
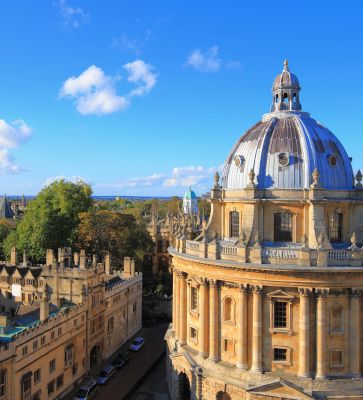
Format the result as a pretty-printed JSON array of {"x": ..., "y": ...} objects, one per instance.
[{"x": 148, "y": 100}]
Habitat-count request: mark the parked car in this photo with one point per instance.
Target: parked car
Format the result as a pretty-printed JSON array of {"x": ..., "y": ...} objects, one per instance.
[
  {"x": 105, "y": 375},
  {"x": 87, "y": 391},
  {"x": 122, "y": 358},
  {"x": 137, "y": 344}
]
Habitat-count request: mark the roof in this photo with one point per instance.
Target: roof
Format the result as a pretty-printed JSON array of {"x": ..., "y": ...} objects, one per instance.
[
  {"x": 5, "y": 209},
  {"x": 113, "y": 281}
]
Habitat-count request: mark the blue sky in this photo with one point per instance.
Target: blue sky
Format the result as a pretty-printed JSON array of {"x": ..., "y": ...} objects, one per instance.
[{"x": 146, "y": 97}]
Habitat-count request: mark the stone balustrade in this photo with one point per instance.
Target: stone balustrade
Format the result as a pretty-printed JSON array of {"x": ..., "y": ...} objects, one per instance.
[{"x": 294, "y": 255}]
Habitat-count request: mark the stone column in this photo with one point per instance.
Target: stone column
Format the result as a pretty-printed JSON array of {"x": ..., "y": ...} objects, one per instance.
[
  {"x": 242, "y": 329},
  {"x": 203, "y": 316},
  {"x": 213, "y": 321},
  {"x": 321, "y": 333},
  {"x": 183, "y": 309},
  {"x": 304, "y": 345},
  {"x": 257, "y": 329},
  {"x": 176, "y": 300},
  {"x": 355, "y": 327}
]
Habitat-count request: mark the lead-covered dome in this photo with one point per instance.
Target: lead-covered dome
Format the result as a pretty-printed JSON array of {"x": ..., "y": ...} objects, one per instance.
[{"x": 286, "y": 146}]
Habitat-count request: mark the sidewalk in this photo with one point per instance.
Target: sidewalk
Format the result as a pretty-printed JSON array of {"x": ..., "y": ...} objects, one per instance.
[{"x": 126, "y": 380}]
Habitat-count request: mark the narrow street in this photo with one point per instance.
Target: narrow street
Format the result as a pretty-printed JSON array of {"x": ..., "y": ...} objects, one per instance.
[{"x": 124, "y": 381}]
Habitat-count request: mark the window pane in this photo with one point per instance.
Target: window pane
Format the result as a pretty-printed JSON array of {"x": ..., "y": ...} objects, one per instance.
[
  {"x": 336, "y": 227},
  {"x": 280, "y": 320},
  {"x": 283, "y": 227},
  {"x": 234, "y": 231}
]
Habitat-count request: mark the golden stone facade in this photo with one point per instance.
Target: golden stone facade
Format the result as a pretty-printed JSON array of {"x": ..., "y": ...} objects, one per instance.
[
  {"x": 267, "y": 301},
  {"x": 60, "y": 320}
]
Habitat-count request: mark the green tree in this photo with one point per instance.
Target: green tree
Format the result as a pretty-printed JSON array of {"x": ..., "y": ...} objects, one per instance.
[
  {"x": 119, "y": 234},
  {"x": 5, "y": 229},
  {"x": 51, "y": 219}
]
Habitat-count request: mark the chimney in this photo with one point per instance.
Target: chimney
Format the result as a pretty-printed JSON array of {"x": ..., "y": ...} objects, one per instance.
[
  {"x": 82, "y": 260},
  {"x": 49, "y": 257},
  {"x": 129, "y": 267},
  {"x": 13, "y": 256},
  {"x": 108, "y": 264},
  {"x": 94, "y": 260},
  {"x": 44, "y": 306},
  {"x": 55, "y": 294},
  {"x": 76, "y": 259}
]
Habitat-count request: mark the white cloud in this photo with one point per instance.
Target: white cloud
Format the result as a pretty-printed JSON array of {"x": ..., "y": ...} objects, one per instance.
[
  {"x": 73, "y": 179},
  {"x": 72, "y": 17},
  {"x": 12, "y": 135},
  {"x": 7, "y": 164},
  {"x": 175, "y": 182},
  {"x": 142, "y": 75},
  {"x": 96, "y": 93},
  {"x": 126, "y": 43},
  {"x": 205, "y": 62}
]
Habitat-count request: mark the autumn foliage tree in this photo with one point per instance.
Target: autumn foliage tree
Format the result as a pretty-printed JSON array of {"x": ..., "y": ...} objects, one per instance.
[{"x": 104, "y": 231}]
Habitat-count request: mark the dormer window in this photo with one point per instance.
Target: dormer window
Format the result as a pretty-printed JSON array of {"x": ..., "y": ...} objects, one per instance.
[
  {"x": 333, "y": 160},
  {"x": 283, "y": 159}
]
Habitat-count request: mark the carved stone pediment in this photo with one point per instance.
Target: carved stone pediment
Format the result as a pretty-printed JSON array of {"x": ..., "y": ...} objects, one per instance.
[{"x": 281, "y": 295}]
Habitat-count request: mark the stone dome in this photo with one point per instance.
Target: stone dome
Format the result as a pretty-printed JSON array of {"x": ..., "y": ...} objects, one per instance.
[
  {"x": 285, "y": 147},
  {"x": 286, "y": 79}
]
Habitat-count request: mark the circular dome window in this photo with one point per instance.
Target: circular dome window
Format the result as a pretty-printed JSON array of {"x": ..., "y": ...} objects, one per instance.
[
  {"x": 333, "y": 160},
  {"x": 238, "y": 160},
  {"x": 283, "y": 159}
]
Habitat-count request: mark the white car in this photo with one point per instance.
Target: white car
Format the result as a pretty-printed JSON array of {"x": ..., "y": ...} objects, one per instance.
[{"x": 137, "y": 344}]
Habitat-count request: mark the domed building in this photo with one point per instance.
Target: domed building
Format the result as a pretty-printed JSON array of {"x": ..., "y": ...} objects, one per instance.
[
  {"x": 267, "y": 301},
  {"x": 190, "y": 202}
]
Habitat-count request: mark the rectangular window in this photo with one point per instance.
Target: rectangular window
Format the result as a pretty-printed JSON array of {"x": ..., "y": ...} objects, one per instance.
[
  {"x": 42, "y": 340},
  {"x": 60, "y": 380},
  {"x": 35, "y": 344},
  {"x": 283, "y": 227},
  {"x": 193, "y": 333},
  {"x": 280, "y": 314},
  {"x": 68, "y": 354},
  {"x": 50, "y": 388},
  {"x": 37, "y": 376},
  {"x": 52, "y": 366},
  {"x": 193, "y": 298},
  {"x": 228, "y": 346},
  {"x": 25, "y": 350},
  {"x": 2, "y": 383},
  {"x": 26, "y": 387},
  {"x": 280, "y": 354},
  {"x": 336, "y": 358},
  {"x": 52, "y": 335},
  {"x": 134, "y": 308},
  {"x": 234, "y": 222},
  {"x": 59, "y": 331},
  {"x": 336, "y": 227}
]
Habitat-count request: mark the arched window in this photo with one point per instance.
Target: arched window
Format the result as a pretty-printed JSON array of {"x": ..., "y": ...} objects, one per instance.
[
  {"x": 336, "y": 227},
  {"x": 286, "y": 98},
  {"x": 336, "y": 319},
  {"x": 228, "y": 309},
  {"x": 2, "y": 383},
  {"x": 283, "y": 227},
  {"x": 234, "y": 224},
  {"x": 294, "y": 98},
  {"x": 277, "y": 98}
]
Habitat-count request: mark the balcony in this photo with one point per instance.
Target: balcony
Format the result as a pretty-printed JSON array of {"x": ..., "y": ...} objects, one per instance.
[{"x": 270, "y": 253}]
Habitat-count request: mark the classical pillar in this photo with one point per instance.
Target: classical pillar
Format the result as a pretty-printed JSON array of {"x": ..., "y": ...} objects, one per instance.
[
  {"x": 183, "y": 309},
  {"x": 257, "y": 329},
  {"x": 304, "y": 345},
  {"x": 176, "y": 300},
  {"x": 203, "y": 315},
  {"x": 321, "y": 333},
  {"x": 355, "y": 327},
  {"x": 213, "y": 321},
  {"x": 242, "y": 329}
]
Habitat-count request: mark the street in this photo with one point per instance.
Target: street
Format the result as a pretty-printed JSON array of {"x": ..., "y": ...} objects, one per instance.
[{"x": 124, "y": 381}]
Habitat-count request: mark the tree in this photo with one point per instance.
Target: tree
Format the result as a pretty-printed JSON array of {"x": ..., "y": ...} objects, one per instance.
[
  {"x": 51, "y": 219},
  {"x": 5, "y": 229},
  {"x": 104, "y": 231}
]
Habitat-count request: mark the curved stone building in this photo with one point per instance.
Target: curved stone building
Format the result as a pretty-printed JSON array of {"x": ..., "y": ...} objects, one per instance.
[{"x": 268, "y": 299}]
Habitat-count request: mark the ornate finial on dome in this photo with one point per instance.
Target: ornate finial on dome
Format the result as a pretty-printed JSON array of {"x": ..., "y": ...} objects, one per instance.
[
  {"x": 286, "y": 91},
  {"x": 216, "y": 181},
  {"x": 251, "y": 177},
  {"x": 359, "y": 178},
  {"x": 286, "y": 65},
  {"x": 315, "y": 176}
]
